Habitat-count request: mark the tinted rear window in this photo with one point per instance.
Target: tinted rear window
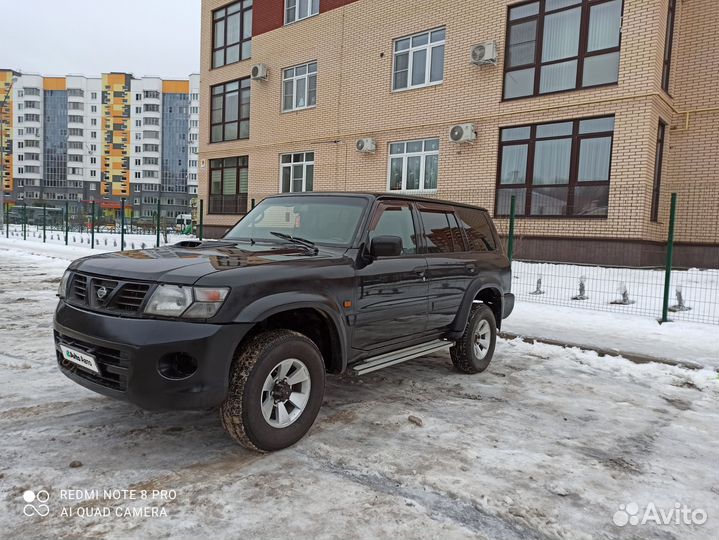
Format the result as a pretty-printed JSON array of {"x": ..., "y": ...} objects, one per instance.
[
  {"x": 476, "y": 228},
  {"x": 441, "y": 231}
]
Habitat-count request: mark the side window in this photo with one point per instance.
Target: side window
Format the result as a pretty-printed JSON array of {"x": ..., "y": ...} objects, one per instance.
[
  {"x": 441, "y": 231},
  {"x": 476, "y": 229},
  {"x": 395, "y": 219}
]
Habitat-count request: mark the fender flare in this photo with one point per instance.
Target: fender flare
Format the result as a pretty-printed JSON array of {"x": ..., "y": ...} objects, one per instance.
[
  {"x": 265, "y": 307},
  {"x": 477, "y": 286}
]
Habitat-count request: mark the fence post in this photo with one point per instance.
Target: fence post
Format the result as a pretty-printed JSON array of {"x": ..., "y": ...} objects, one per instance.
[
  {"x": 67, "y": 220},
  {"x": 24, "y": 221},
  {"x": 510, "y": 240},
  {"x": 44, "y": 222},
  {"x": 92, "y": 225},
  {"x": 122, "y": 224},
  {"x": 670, "y": 252},
  {"x": 7, "y": 220},
  {"x": 158, "y": 222},
  {"x": 202, "y": 217}
]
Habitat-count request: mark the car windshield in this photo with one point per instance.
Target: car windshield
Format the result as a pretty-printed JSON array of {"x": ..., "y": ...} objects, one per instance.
[{"x": 320, "y": 219}]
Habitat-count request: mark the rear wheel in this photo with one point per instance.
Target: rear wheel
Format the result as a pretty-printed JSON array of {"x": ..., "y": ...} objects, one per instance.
[
  {"x": 473, "y": 352},
  {"x": 276, "y": 387}
]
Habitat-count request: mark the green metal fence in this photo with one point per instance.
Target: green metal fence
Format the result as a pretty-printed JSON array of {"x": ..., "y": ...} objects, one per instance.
[
  {"x": 663, "y": 291},
  {"x": 92, "y": 225}
]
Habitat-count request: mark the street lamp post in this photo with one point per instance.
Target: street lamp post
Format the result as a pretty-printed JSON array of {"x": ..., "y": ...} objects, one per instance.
[{"x": 13, "y": 80}]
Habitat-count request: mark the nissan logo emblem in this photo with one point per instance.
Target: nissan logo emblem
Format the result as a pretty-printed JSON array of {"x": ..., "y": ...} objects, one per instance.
[{"x": 101, "y": 293}]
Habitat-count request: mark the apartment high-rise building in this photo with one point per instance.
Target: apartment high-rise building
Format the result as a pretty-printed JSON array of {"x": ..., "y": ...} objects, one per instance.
[
  {"x": 81, "y": 139},
  {"x": 589, "y": 112}
]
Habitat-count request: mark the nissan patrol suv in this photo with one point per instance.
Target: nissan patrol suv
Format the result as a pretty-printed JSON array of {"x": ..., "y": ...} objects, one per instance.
[{"x": 303, "y": 285}]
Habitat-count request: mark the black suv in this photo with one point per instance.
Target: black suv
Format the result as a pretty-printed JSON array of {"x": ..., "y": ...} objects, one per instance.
[{"x": 304, "y": 284}]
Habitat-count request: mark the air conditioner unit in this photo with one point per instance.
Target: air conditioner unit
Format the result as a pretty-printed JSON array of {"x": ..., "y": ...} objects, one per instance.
[
  {"x": 259, "y": 72},
  {"x": 366, "y": 146},
  {"x": 484, "y": 53},
  {"x": 463, "y": 133}
]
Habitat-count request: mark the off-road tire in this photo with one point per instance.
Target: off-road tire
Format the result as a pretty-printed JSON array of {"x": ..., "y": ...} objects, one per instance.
[
  {"x": 241, "y": 413},
  {"x": 462, "y": 352}
]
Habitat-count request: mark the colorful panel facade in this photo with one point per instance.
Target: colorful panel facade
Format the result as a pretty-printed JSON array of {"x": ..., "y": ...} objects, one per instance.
[
  {"x": 116, "y": 133},
  {"x": 6, "y": 129}
]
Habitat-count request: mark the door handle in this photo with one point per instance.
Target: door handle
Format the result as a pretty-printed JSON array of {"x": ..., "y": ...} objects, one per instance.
[
  {"x": 420, "y": 271},
  {"x": 470, "y": 267}
]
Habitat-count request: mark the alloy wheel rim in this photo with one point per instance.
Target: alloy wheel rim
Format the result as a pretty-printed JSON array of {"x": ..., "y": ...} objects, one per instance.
[
  {"x": 481, "y": 339},
  {"x": 285, "y": 393}
]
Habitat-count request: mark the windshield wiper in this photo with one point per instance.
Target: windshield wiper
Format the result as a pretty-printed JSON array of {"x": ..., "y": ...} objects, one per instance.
[{"x": 296, "y": 240}]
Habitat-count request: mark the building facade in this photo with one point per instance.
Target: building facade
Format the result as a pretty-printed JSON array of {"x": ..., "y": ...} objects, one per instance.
[
  {"x": 588, "y": 113},
  {"x": 79, "y": 139}
]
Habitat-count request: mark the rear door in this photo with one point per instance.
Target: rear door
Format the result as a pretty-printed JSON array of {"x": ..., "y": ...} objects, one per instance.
[
  {"x": 450, "y": 266},
  {"x": 391, "y": 304}
]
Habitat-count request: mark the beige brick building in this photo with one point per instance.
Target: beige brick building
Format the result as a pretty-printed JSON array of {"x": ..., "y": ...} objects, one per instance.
[{"x": 615, "y": 102}]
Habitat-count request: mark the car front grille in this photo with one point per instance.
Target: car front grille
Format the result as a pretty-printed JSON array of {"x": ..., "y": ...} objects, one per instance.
[
  {"x": 108, "y": 295},
  {"x": 112, "y": 363}
]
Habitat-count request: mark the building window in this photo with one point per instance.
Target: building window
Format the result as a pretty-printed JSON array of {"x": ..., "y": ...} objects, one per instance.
[
  {"x": 419, "y": 60},
  {"x": 151, "y": 107},
  {"x": 232, "y": 33},
  {"x": 151, "y": 134},
  {"x": 413, "y": 165},
  {"x": 661, "y": 133},
  {"x": 296, "y": 10},
  {"x": 297, "y": 172},
  {"x": 228, "y": 185},
  {"x": 153, "y": 94},
  {"x": 558, "y": 169},
  {"x": 668, "y": 44},
  {"x": 299, "y": 87},
  {"x": 558, "y": 45},
  {"x": 230, "y": 118}
]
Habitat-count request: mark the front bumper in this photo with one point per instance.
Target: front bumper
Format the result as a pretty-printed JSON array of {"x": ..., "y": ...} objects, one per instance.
[{"x": 128, "y": 352}]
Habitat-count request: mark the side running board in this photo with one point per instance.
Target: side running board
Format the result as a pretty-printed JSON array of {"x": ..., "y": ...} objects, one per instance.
[{"x": 395, "y": 357}]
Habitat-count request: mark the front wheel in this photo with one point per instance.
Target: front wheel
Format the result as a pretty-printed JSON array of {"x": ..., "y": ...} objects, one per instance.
[
  {"x": 473, "y": 352},
  {"x": 277, "y": 383}
]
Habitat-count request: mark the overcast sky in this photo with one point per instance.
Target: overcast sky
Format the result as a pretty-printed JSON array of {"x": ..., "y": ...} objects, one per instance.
[{"x": 90, "y": 37}]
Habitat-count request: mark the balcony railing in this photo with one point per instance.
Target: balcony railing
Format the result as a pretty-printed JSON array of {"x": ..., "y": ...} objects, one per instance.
[{"x": 228, "y": 204}]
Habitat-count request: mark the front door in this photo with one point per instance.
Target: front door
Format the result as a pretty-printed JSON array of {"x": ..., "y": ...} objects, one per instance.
[{"x": 391, "y": 305}]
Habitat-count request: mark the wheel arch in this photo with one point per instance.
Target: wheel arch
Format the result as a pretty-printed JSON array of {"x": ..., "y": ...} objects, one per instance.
[
  {"x": 487, "y": 292},
  {"x": 312, "y": 318}
]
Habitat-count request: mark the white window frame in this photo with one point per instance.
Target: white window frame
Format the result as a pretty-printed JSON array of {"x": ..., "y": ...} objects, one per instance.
[
  {"x": 292, "y": 163},
  {"x": 296, "y": 81},
  {"x": 313, "y": 8},
  {"x": 411, "y": 51},
  {"x": 404, "y": 155}
]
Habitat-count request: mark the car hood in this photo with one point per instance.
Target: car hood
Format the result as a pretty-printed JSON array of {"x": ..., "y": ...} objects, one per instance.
[{"x": 186, "y": 262}]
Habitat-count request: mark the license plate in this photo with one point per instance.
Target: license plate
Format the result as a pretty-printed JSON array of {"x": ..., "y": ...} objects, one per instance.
[{"x": 82, "y": 359}]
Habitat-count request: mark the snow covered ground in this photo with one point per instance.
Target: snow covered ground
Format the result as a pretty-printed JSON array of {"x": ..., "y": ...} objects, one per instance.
[{"x": 548, "y": 443}]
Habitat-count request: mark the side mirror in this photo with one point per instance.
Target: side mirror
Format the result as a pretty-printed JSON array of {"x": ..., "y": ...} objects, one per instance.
[{"x": 385, "y": 246}]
